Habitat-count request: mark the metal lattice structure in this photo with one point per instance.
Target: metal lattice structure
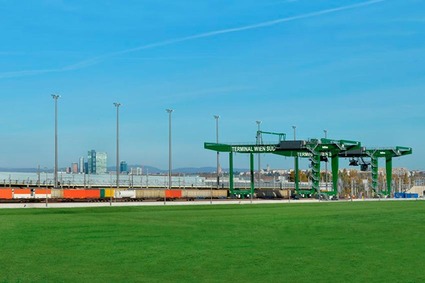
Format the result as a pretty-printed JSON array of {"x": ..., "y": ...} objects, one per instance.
[
  {"x": 317, "y": 150},
  {"x": 374, "y": 154}
]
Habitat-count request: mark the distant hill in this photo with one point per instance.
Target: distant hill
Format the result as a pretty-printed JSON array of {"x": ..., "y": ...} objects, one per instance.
[
  {"x": 25, "y": 170},
  {"x": 193, "y": 170},
  {"x": 186, "y": 170},
  {"x": 183, "y": 170},
  {"x": 149, "y": 169}
]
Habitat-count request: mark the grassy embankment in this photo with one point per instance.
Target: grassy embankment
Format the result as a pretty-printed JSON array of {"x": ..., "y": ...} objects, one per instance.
[{"x": 322, "y": 242}]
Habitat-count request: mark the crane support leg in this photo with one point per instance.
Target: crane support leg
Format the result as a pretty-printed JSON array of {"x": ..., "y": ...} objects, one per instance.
[
  {"x": 335, "y": 168},
  {"x": 251, "y": 164},
  {"x": 297, "y": 176},
  {"x": 231, "y": 188},
  {"x": 374, "y": 168},
  {"x": 389, "y": 171},
  {"x": 315, "y": 173}
]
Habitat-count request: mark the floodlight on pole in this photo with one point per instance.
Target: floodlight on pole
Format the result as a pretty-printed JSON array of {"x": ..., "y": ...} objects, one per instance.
[
  {"x": 259, "y": 156},
  {"x": 55, "y": 184},
  {"x": 217, "y": 117},
  {"x": 117, "y": 105},
  {"x": 169, "y": 111}
]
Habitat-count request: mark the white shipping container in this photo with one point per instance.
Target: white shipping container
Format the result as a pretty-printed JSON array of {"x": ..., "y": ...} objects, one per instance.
[
  {"x": 19, "y": 196},
  {"x": 42, "y": 196},
  {"x": 127, "y": 194}
]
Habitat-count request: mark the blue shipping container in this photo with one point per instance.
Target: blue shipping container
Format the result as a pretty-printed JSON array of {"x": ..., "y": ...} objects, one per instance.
[{"x": 399, "y": 195}]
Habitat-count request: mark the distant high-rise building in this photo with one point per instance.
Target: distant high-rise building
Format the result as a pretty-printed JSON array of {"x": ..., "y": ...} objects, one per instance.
[
  {"x": 136, "y": 171},
  {"x": 86, "y": 167},
  {"x": 74, "y": 168},
  {"x": 91, "y": 162},
  {"x": 81, "y": 165},
  {"x": 96, "y": 162},
  {"x": 123, "y": 167},
  {"x": 101, "y": 162}
]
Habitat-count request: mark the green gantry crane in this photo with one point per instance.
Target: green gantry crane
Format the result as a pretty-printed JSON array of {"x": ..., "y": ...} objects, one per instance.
[
  {"x": 374, "y": 154},
  {"x": 317, "y": 150},
  {"x": 251, "y": 149}
]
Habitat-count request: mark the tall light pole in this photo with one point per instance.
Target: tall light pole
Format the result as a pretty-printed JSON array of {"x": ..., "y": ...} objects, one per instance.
[
  {"x": 117, "y": 105},
  {"x": 259, "y": 161},
  {"x": 326, "y": 163},
  {"x": 169, "y": 111},
  {"x": 218, "y": 154},
  {"x": 55, "y": 184}
]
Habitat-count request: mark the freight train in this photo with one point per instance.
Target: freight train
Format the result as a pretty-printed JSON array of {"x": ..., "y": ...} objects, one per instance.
[
  {"x": 63, "y": 195},
  {"x": 124, "y": 194}
]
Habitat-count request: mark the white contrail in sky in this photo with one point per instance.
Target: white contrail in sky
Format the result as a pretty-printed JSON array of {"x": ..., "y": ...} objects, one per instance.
[
  {"x": 99, "y": 59},
  {"x": 237, "y": 29}
]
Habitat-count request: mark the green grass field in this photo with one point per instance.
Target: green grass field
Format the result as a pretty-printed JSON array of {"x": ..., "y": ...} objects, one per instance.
[{"x": 319, "y": 242}]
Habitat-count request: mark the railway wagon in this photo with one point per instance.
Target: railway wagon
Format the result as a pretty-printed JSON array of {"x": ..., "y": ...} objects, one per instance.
[
  {"x": 202, "y": 194},
  {"x": 149, "y": 193},
  {"x": 26, "y": 194},
  {"x": 272, "y": 193}
]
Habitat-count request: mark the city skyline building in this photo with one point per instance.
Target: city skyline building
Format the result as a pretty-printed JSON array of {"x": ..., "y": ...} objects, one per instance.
[
  {"x": 74, "y": 168},
  {"x": 97, "y": 162},
  {"x": 123, "y": 167},
  {"x": 101, "y": 163},
  {"x": 91, "y": 162},
  {"x": 81, "y": 165},
  {"x": 136, "y": 171}
]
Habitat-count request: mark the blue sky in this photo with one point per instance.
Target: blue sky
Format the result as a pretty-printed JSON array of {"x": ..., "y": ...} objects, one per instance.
[{"x": 355, "y": 68}]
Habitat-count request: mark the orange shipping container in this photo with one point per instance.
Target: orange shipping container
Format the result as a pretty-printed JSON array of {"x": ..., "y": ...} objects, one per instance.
[
  {"x": 22, "y": 191},
  {"x": 81, "y": 194},
  {"x": 6, "y": 193},
  {"x": 43, "y": 191},
  {"x": 173, "y": 193}
]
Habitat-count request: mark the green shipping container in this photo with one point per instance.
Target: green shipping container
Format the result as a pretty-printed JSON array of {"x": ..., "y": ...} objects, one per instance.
[{"x": 102, "y": 193}]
